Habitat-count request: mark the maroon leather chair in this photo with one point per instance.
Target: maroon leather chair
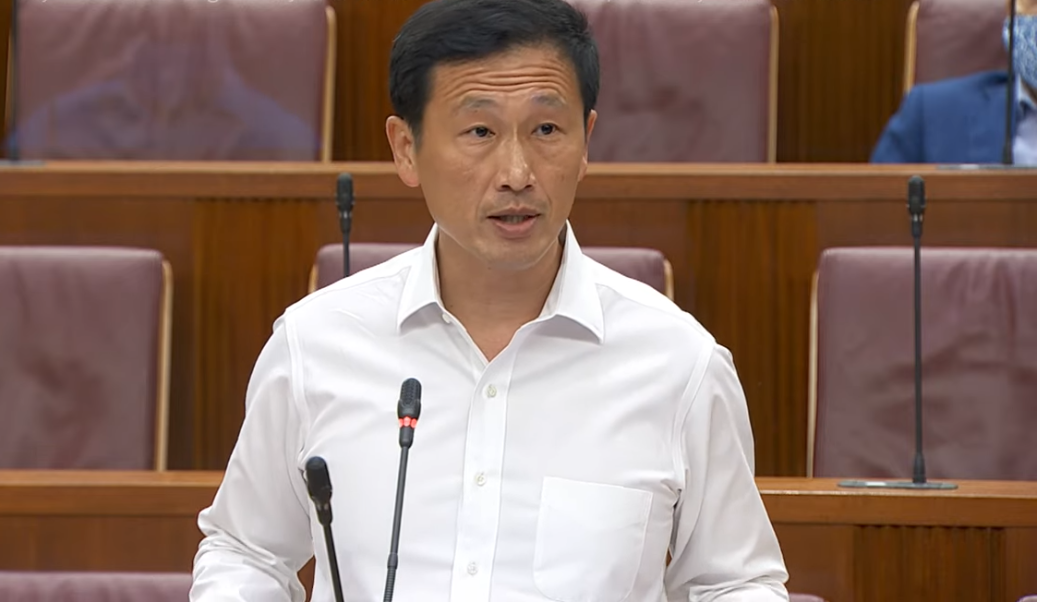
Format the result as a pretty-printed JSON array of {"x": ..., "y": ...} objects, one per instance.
[
  {"x": 175, "y": 80},
  {"x": 42, "y": 586},
  {"x": 953, "y": 38},
  {"x": 979, "y": 364},
  {"x": 685, "y": 80},
  {"x": 84, "y": 358},
  {"x": 646, "y": 265}
]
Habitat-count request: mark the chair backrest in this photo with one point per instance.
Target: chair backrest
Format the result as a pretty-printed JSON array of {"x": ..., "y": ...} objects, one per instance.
[
  {"x": 953, "y": 38},
  {"x": 46, "y": 586},
  {"x": 646, "y": 265},
  {"x": 84, "y": 358},
  {"x": 685, "y": 81},
  {"x": 978, "y": 310},
  {"x": 174, "y": 80}
]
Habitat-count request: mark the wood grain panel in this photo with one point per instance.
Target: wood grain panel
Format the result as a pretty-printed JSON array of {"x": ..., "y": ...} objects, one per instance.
[
  {"x": 100, "y": 542},
  {"x": 743, "y": 241},
  {"x": 366, "y": 33},
  {"x": 927, "y": 563},
  {"x": 846, "y": 545},
  {"x": 1019, "y": 555},
  {"x": 841, "y": 65},
  {"x": 818, "y": 558},
  {"x": 743, "y": 254},
  {"x": 269, "y": 242}
]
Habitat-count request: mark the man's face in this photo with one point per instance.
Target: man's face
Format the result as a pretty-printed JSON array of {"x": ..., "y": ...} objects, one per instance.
[{"x": 503, "y": 147}]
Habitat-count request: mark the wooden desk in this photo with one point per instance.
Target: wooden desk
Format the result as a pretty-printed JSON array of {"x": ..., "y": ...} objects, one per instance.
[
  {"x": 743, "y": 241},
  {"x": 975, "y": 543}
]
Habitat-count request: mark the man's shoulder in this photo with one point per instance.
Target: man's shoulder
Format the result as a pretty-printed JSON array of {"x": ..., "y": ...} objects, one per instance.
[
  {"x": 369, "y": 296},
  {"x": 961, "y": 90},
  {"x": 632, "y": 303}
]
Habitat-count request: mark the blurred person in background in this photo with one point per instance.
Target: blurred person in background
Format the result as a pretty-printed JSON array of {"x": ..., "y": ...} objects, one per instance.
[{"x": 962, "y": 120}]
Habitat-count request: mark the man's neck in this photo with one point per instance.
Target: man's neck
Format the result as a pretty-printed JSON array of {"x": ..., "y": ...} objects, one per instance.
[{"x": 493, "y": 304}]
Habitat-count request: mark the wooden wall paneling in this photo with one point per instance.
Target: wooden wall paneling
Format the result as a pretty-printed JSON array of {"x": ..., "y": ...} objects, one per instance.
[
  {"x": 100, "y": 542},
  {"x": 1018, "y": 551},
  {"x": 366, "y": 33},
  {"x": 841, "y": 66},
  {"x": 264, "y": 241},
  {"x": 818, "y": 559},
  {"x": 928, "y": 563},
  {"x": 755, "y": 262}
]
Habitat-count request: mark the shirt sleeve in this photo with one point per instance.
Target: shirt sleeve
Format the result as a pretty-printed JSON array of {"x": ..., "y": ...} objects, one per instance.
[
  {"x": 257, "y": 531},
  {"x": 723, "y": 544}
]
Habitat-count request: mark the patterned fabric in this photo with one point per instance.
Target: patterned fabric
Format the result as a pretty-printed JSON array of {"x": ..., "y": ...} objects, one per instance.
[{"x": 1025, "y": 47}]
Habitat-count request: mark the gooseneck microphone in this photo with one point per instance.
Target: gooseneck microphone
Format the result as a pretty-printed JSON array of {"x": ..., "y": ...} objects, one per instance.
[
  {"x": 408, "y": 407},
  {"x": 345, "y": 207},
  {"x": 319, "y": 487},
  {"x": 915, "y": 204},
  {"x": 1009, "y": 137}
]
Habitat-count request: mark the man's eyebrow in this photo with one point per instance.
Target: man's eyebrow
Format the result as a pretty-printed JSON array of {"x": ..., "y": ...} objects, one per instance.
[
  {"x": 550, "y": 100},
  {"x": 475, "y": 103}
]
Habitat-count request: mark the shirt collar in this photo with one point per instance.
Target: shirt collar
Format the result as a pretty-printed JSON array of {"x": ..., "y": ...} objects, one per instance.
[
  {"x": 573, "y": 295},
  {"x": 1025, "y": 101}
]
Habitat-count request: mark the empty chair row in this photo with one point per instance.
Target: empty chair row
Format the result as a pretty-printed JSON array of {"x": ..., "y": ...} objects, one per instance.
[
  {"x": 85, "y": 338},
  {"x": 255, "y": 79}
]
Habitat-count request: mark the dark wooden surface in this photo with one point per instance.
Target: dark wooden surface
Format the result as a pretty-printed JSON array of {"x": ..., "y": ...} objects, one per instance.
[
  {"x": 840, "y": 75},
  {"x": 743, "y": 241},
  {"x": 977, "y": 542}
]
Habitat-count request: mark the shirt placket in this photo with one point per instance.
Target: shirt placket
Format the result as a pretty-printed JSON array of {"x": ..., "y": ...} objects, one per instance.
[{"x": 477, "y": 531}]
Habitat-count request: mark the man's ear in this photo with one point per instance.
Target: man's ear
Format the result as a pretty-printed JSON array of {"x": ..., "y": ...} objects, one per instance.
[
  {"x": 590, "y": 124},
  {"x": 403, "y": 144}
]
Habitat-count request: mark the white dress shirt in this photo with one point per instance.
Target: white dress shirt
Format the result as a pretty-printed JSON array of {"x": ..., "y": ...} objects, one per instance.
[
  {"x": 1024, "y": 144},
  {"x": 611, "y": 431}
]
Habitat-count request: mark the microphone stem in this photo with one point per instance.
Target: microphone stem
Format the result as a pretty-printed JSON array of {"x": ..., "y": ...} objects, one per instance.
[
  {"x": 918, "y": 471},
  {"x": 391, "y": 563},
  {"x": 337, "y": 586}
]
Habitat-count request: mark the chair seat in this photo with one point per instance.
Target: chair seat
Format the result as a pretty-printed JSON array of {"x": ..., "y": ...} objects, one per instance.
[{"x": 93, "y": 587}]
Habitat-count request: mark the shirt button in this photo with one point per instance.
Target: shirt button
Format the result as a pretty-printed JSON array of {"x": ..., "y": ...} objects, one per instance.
[
  {"x": 446, "y": 318},
  {"x": 472, "y": 568},
  {"x": 481, "y": 480},
  {"x": 492, "y": 391}
]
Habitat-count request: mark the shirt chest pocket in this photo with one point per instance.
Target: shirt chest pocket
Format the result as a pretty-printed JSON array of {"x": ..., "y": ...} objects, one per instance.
[{"x": 589, "y": 540}]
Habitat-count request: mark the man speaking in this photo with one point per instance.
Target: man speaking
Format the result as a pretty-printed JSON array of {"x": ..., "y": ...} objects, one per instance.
[{"x": 581, "y": 439}]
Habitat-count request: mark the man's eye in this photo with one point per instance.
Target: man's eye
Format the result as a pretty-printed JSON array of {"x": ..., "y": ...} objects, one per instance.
[
  {"x": 546, "y": 128},
  {"x": 481, "y": 131}
]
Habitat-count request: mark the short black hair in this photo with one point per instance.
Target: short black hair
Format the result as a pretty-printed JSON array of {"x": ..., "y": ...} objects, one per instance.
[{"x": 457, "y": 31}]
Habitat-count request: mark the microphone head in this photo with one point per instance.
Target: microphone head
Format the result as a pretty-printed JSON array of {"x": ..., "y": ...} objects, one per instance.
[
  {"x": 345, "y": 193},
  {"x": 915, "y": 199},
  {"x": 410, "y": 402},
  {"x": 319, "y": 485}
]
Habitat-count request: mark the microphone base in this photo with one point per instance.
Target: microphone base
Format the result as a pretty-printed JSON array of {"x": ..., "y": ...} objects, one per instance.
[{"x": 883, "y": 484}]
